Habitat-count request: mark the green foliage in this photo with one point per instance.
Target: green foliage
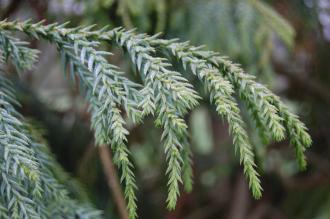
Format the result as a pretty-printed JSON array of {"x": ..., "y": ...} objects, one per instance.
[
  {"x": 243, "y": 30},
  {"x": 131, "y": 13},
  {"x": 106, "y": 89},
  {"x": 22, "y": 57},
  {"x": 165, "y": 93},
  {"x": 275, "y": 21},
  {"x": 30, "y": 177},
  {"x": 172, "y": 96},
  {"x": 18, "y": 163}
]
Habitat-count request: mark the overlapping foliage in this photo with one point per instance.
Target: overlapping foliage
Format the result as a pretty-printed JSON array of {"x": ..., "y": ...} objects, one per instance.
[
  {"x": 164, "y": 93},
  {"x": 32, "y": 183},
  {"x": 244, "y": 30}
]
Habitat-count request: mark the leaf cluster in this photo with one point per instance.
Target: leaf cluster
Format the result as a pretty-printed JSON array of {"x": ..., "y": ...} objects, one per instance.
[{"x": 165, "y": 93}]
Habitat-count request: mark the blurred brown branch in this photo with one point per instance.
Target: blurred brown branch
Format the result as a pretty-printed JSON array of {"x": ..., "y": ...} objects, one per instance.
[{"x": 113, "y": 180}]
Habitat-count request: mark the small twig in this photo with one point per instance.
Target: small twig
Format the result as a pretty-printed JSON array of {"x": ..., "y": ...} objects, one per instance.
[{"x": 113, "y": 180}]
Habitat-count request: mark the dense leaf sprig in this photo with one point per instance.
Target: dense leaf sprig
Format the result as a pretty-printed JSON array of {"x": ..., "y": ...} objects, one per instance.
[
  {"x": 165, "y": 93},
  {"x": 270, "y": 114},
  {"x": 172, "y": 97},
  {"x": 29, "y": 188}
]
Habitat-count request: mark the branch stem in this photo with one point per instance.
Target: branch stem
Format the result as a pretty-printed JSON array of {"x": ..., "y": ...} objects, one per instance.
[{"x": 113, "y": 180}]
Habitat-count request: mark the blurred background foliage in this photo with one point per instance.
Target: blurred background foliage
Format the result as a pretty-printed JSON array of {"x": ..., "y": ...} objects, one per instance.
[{"x": 286, "y": 44}]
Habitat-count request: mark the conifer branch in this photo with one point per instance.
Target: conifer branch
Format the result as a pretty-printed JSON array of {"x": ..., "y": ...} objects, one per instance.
[
  {"x": 296, "y": 130},
  {"x": 165, "y": 93},
  {"x": 173, "y": 96},
  {"x": 107, "y": 120},
  {"x": 58, "y": 203},
  {"x": 275, "y": 112},
  {"x": 26, "y": 175},
  {"x": 18, "y": 162},
  {"x": 220, "y": 93},
  {"x": 187, "y": 170},
  {"x": 22, "y": 56},
  {"x": 105, "y": 90}
]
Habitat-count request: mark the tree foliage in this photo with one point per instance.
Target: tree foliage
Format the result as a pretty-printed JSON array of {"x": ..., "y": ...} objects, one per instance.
[{"x": 29, "y": 185}]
